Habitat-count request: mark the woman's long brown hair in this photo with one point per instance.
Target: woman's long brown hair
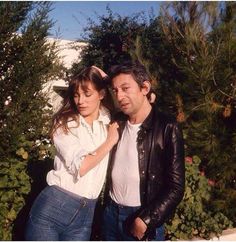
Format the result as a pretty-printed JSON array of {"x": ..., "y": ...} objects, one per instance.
[{"x": 69, "y": 110}]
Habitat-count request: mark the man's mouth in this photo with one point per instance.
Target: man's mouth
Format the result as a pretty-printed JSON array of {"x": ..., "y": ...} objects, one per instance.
[{"x": 124, "y": 105}]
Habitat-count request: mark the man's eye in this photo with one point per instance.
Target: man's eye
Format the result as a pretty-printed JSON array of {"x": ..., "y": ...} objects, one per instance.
[{"x": 125, "y": 88}]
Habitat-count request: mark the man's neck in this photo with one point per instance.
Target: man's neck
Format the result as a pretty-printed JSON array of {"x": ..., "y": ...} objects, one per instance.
[{"x": 141, "y": 115}]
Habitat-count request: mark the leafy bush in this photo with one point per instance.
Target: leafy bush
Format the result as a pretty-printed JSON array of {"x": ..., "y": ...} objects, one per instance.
[
  {"x": 193, "y": 217},
  {"x": 27, "y": 62}
]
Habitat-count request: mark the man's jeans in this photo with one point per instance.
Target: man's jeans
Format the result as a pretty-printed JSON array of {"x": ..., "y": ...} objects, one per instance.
[
  {"x": 116, "y": 221},
  {"x": 58, "y": 215}
]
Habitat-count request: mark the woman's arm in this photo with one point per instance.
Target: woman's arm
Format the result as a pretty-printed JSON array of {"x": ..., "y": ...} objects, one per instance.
[
  {"x": 91, "y": 160},
  {"x": 77, "y": 159}
]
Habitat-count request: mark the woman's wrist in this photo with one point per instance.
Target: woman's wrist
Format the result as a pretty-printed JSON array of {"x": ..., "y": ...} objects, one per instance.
[{"x": 110, "y": 142}]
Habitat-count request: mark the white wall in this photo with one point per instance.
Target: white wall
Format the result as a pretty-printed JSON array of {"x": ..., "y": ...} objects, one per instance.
[{"x": 69, "y": 52}]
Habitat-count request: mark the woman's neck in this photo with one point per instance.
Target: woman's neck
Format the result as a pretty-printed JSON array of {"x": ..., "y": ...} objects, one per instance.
[{"x": 89, "y": 119}]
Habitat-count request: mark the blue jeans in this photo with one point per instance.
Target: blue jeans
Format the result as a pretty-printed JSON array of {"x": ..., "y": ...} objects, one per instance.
[
  {"x": 60, "y": 215},
  {"x": 116, "y": 221}
]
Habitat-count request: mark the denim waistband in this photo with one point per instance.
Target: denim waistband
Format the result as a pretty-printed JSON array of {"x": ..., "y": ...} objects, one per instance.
[
  {"x": 123, "y": 207},
  {"x": 65, "y": 195},
  {"x": 76, "y": 196}
]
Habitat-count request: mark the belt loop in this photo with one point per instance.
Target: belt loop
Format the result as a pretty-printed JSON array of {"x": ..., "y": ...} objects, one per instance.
[{"x": 84, "y": 203}]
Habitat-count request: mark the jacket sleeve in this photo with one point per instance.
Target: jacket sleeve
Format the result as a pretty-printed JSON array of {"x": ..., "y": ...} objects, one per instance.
[{"x": 156, "y": 213}]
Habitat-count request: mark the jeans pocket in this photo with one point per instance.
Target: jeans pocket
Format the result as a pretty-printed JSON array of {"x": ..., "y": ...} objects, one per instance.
[
  {"x": 39, "y": 221},
  {"x": 53, "y": 211}
]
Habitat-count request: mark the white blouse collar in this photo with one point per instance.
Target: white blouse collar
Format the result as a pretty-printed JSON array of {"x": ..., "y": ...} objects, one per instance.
[{"x": 104, "y": 117}]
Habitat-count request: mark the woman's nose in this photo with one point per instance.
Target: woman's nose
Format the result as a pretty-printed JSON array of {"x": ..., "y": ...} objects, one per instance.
[{"x": 81, "y": 99}]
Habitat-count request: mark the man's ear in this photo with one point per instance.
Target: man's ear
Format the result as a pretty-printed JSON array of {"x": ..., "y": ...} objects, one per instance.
[
  {"x": 102, "y": 94},
  {"x": 146, "y": 87}
]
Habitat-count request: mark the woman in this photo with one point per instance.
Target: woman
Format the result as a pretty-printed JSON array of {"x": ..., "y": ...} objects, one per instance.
[{"x": 64, "y": 210}]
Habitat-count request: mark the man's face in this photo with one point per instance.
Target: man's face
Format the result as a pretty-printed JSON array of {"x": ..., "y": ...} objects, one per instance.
[{"x": 129, "y": 94}]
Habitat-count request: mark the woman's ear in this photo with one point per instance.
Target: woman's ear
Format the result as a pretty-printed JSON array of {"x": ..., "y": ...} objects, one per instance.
[
  {"x": 146, "y": 87},
  {"x": 102, "y": 94}
]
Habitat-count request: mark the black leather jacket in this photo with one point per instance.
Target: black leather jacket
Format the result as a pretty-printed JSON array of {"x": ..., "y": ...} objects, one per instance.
[{"x": 161, "y": 167}]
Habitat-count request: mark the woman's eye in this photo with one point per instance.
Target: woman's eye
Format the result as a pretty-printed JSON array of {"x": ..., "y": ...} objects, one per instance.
[{"x": 88, "y": 94}]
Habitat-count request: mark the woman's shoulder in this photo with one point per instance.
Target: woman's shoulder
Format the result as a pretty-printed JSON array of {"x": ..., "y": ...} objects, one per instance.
[
  {"x": 73, "y": 122},
  {"x": 70, "y": 126}
]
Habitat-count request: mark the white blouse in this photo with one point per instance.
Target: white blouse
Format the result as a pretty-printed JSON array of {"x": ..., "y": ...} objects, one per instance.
[{"x": 72, "y": 148}]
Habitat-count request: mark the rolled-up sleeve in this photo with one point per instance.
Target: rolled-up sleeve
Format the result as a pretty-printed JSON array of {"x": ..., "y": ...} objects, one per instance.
[{"x": 71, "y": 152}]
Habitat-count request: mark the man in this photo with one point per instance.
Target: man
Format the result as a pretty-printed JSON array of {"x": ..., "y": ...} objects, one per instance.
[{"x": 147, "y": 175}]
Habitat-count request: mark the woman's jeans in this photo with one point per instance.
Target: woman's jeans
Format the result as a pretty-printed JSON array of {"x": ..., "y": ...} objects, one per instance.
[
  {"x": 116, "y": 221},
  {"x": 60, "y": 215}
]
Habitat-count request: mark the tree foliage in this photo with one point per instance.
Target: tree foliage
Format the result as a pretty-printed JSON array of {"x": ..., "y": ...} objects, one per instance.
[
  {"x": 26, "y": 63},
  {"x": 109, "y": 40},
  {"x": 203, "y": 35}
]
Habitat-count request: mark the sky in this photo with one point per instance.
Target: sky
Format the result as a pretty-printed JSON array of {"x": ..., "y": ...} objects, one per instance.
[{"x": 71, "y": 17}]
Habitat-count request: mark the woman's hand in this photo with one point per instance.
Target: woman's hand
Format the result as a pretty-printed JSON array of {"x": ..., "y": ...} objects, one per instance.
[
  {"x": 103, "y": 74},
  {"x": 152, "y": 97},
  {"x": 113, "y": 135}
]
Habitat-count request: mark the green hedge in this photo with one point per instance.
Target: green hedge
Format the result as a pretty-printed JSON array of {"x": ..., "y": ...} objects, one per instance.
[{"x": 193, "y": 217}]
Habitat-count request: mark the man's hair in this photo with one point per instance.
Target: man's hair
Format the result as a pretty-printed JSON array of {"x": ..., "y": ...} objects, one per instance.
[{"x": 134, "y": 68}]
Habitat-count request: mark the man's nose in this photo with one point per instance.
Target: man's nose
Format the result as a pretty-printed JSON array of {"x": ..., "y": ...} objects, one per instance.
[{"x": 119, "y": 95}]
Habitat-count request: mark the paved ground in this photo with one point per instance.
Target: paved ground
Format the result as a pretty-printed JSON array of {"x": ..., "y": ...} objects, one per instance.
[{"x": 227, "y": 235}]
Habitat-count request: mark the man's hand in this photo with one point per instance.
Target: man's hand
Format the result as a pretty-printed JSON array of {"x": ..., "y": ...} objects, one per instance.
[{"x": 138, "y": 228}]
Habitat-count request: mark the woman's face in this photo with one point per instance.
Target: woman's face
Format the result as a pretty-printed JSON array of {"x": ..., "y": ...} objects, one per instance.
[{"x": 87, "y": 100}]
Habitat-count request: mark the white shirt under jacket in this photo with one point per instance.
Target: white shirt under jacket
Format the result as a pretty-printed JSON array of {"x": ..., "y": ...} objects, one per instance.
[
  {"x": 125, "y": 172},
  {"x": 72, "y": 148}
]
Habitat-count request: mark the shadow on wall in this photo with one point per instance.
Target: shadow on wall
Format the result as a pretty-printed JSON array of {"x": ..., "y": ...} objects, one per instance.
[{"x": 37, "y": 170}]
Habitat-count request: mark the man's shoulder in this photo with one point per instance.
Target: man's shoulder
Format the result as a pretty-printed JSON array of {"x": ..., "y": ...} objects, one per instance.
[{"x": 165, "y": 117}]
